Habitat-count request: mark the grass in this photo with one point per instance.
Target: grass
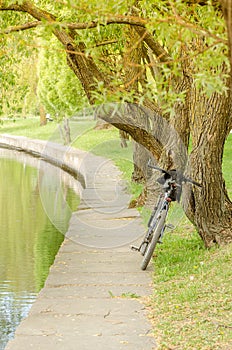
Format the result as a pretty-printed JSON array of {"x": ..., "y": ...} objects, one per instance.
[
  {"x": 191, "y": 306},
  {"x": 227, "y": 164},
  {"x": 27, "y": 127}
]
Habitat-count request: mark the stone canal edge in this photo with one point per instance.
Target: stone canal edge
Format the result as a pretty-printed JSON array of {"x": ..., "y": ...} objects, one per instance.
[{"x": 94, "y": 296}]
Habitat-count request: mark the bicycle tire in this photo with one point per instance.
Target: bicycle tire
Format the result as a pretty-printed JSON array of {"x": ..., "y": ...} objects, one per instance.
[
  {"x": 156, "y": 235},
  {"x": 155, "y": 211}
]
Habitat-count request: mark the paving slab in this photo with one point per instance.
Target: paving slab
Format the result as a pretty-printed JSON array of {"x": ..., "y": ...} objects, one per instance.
[{"x": 95, "y": 294}]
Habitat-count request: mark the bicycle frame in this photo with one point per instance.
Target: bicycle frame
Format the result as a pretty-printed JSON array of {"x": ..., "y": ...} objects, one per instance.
[
  {"x": 163, "y": 203},
  {"x": 157, "y": 221}
]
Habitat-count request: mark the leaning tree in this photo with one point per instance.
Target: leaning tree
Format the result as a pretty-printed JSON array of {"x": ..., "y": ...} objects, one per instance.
[{"x": 164, "y": 69}]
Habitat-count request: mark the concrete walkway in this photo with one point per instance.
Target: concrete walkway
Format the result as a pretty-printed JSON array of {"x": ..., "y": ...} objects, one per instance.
[{"x": 95, "y": 293}]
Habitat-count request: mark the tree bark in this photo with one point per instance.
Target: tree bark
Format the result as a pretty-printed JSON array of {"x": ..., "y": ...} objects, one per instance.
[
  {"x": 210, "y": 207},
  {"x": 134, "y": 75},
  {"x": 42, "y": 113}
]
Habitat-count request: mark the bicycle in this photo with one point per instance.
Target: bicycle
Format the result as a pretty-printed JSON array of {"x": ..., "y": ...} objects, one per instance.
[{"x": 171, "y": 182}]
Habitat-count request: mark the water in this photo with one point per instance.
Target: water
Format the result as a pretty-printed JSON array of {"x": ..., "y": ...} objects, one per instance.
[{"x": 29, "y": 240}]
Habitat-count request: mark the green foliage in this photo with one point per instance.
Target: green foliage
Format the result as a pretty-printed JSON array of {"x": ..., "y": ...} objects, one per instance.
[
  {"x": 200, "y": 30},
  {"x": 58, "y": 88},
  {"x": 17, "y": 69},
  {"x": 27, "y": 127},
  {"x": 31, "y": 65}
]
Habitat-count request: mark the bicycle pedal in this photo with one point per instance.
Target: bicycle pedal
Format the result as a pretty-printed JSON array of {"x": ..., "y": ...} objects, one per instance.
[
  {"x": 170, "y": 226},
  {"x": 134, "y": 248}
]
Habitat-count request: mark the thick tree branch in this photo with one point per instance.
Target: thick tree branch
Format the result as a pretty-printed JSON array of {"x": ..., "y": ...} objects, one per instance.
[
  {"x": 13, "y": 7},
  {"x": 157, "y": 49},
  {"x": 107, "y": 42},
  {"x": 132, "y": 118},
  {"x": 76, "y": 26},
  {"x": 22, "y": 27},
  {"x": 135, "y": 21}
]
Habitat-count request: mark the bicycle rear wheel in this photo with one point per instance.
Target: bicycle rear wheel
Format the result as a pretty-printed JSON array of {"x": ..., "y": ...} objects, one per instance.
[{"x": 155, "y": 237}]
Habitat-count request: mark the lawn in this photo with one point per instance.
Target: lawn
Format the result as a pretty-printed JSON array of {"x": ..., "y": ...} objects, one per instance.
[{"x": 191, "y": 304}]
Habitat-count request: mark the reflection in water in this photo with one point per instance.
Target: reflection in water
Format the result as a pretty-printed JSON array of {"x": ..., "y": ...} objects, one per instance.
[{"x": 28, "y": 240}]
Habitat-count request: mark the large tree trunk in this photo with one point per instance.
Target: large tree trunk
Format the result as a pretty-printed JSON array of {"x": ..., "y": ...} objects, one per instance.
[
  {"x": 211, "y": 209},
  {"x": 208, "y": 120},
  {"x": 140, "y": 160}
]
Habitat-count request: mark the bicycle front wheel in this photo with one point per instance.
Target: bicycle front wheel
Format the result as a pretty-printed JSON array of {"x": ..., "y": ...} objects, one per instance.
[{"x": 155, "y": 237}]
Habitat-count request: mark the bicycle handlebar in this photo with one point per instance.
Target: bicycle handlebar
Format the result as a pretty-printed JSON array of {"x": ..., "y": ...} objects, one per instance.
[
  {"x": 186, "y": 179},
  {"x": 179, "y": 174},
  {"x": 158, "y": 168}
]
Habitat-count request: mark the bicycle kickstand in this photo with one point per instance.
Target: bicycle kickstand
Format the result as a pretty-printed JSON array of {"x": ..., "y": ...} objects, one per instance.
[
  {"x": 134, "y": 248},
  {"x": 141, "y": 248}
]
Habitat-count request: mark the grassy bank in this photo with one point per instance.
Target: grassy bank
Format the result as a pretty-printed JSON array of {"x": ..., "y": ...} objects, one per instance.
[{"x": 191, "y": 306}]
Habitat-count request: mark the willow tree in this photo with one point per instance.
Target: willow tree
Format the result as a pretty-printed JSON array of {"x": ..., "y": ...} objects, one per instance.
[
  {"x": 160, "y": 58},
  {"x": 17, "y": 68},
  {"x": 58, "y": 90}
]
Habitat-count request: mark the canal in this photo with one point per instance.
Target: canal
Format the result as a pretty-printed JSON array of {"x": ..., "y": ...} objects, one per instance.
[{"x": 36, "y": 202}]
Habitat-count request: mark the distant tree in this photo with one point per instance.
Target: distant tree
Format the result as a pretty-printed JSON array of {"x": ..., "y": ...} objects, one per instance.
[
  {"x": 17, "y": 68},
  {"x": 58, "y": 89}
]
